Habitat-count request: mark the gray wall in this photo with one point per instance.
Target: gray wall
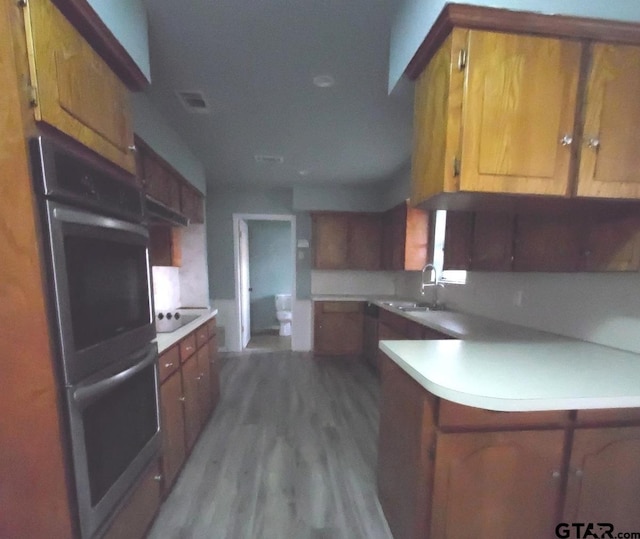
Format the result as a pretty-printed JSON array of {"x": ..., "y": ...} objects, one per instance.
[{"x": 270, "y": 270}]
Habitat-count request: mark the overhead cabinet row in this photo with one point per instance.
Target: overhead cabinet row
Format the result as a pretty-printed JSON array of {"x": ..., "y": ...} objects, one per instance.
[{"x": 527, "y": 115}]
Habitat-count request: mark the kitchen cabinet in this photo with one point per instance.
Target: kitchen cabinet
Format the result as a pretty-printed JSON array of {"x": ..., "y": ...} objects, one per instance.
[
  {"x": 191, "y": 203},
  {"x": 192, "y": 415},
  {"x": 485, "y": 482},
  {"x": 214, "y": 369},
  {"x": 347, "y": 240},
  {"x": 458, "y": 240},
  {"x": 612, "y": 242},
  {"x": 174, "y": 449},
  {"x": 165, "y": 246},
  {"x": 492, "y": 241},
  {"x": 474, "y": 472},
  {"x": 338, "y": 328},
  {"x": 503, "y": 112},
  {"x": 406, "y": 444},
  {"x": 370, "y": 335},
  {"x": 74, "y": 90},
  {"x": 609, "y": 157},
  {"x": 204, "y": 383},
  {"x": 603, "y": 480},
  {"x": 137, "y": 513},
  {"x": 405, "y": 238}
]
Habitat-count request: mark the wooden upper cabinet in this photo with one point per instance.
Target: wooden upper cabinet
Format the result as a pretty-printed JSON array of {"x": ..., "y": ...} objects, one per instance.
[
  {"x": 457, "y": 240},
  {"x": 365, "y": 241},
  {"x": 492, "y": 244},
  {"x": 609, "y": 156},
  {"x": 191, "y": 203},
  {"x": 519, "y": 104},
  {"x": 491, "y": 113},
  {"x": 76, "y": 92},
  {"x": 405, "y": 238},
  {"x": 612, "y": 242},
  {"x": 330, "y": 240}
]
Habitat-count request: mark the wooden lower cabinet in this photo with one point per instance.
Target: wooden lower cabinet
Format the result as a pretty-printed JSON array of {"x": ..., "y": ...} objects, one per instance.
[
  {"x": 173, "y": 443},
  {"x": 204, "y": 384},
  {"x": 497, "y": 485},
  {"x": 338, "y": 328},
  {"x": 192, "y": 422},
  {"x": 138, "y": 511},
  {"x": 603, "y": 479},
  {"x": 214, "y": 370},
  {"x": 448, "y": 471}
]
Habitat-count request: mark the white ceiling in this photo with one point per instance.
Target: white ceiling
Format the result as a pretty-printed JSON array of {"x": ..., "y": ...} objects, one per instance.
[{"x": 254, "y": 61}]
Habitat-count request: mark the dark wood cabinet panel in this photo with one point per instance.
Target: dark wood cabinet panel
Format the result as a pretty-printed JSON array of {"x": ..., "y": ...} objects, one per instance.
[
  {"x": 405, "y": 238},
  {"x": 613, "y": 241},
  {"x": 338, "y": 328},
  {"x": 330, "y": 241},
  {"x": 458, "y": 240},
  {"x": 204, "y": 384},
  {"x": 492, "y": 248},
  {"x": 214, "y": 370},
  {"x": 191, "y": 204},
  {"x": 365, "y": 241},
  {"x": 405, "y": 450},
  {"x": 485, "y": 483},
  {"x": 603, "y": 477},
  {"x": 165, "y": 246},
  {"x": 190, "y": 384},
  {"x": 173, "y": 429},
  {"x": 547, "y": 242}
]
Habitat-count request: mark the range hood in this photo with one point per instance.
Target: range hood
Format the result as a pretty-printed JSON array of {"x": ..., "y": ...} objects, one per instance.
[{"x": 158, "y": 213}]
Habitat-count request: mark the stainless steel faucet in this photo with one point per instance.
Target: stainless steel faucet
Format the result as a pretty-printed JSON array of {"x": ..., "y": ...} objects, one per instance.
[{"x": 432, "y": 283}]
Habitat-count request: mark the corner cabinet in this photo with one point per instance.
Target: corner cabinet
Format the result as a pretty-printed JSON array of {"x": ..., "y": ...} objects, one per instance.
[
  {"x": 73, "y": 89},
  {"x": 500, "y": 112}
]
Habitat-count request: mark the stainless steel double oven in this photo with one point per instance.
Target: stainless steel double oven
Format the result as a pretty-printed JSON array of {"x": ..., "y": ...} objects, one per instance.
[{"x": 101, "y": 314}]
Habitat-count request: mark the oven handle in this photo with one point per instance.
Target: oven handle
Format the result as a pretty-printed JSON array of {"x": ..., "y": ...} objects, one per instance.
[
  {"x": 68, "y": 215},
  {"x": 87, "y": 394}
]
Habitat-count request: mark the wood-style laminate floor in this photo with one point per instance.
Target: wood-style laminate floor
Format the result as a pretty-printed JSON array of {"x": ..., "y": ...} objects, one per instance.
[{"x": 290, "y": 453}]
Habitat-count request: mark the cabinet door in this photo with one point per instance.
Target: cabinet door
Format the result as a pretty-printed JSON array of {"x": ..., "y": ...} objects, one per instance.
[
  {"x": 330, "y": 241},
  {"x": 520, "y": 102},
  {"x": 137, "y": 513},
  {"x": 492, "y": 248},
  {"x": 192, "y": 419},
  {"x": 613, "y": 242},
  {"x": 405, "y": 452},
  {"x": 77, "y": 92},
  {"x": 365, "y": 242},
  {"x": 497, "y": 484},
  {"x": 457, "y": 240},
  {"x": 214, "y": 370},
  {"x": 609, "y": 157},
  {"x": 436, "y": 122},
  {"x": 547, "y": 243},
  {"x": 191, "y": 203},
  {"x": 173, "y": 442},
  {"x": 604, "y": 479},
  {"x": 204, "y": 384},
  {"x": 338, "y": 328}
]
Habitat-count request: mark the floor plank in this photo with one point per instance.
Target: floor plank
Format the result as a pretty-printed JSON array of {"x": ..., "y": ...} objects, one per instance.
[{"x": 289, "y": 453}]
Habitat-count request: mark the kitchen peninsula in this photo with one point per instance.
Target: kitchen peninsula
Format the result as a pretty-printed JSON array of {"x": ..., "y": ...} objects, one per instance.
[{"x": 506, "y": 432}]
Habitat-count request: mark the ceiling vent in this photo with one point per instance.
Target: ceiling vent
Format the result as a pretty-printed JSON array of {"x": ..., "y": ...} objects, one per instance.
[
  {"x": 262, "y": 158},
  {"x": 194, "y": 102}
]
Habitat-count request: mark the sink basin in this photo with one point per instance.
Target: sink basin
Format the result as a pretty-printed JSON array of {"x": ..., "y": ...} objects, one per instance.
[{"x": 413, "y": 307}]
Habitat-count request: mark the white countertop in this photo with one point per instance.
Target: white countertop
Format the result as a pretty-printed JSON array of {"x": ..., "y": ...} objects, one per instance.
[
  {"x": 500, "y": 366},
  {"x": 167, "y": 340},
  {"x": 555, "y": 373}
]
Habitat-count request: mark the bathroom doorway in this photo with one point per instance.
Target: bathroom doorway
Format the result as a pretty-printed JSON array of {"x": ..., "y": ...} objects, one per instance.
[{"x": 264, "y": 268}]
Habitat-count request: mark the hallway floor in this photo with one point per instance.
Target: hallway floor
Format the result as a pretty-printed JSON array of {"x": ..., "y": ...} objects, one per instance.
[
  {"x": 269, "y": 342},
  {"x": 290, "y": 453}
]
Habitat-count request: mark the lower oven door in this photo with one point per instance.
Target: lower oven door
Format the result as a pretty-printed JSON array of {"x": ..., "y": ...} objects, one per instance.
[{"x": 114, "y": 433}]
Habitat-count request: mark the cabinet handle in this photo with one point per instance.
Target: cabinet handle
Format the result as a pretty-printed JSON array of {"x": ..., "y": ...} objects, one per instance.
[
  {"x": 132, "y": 148},
  {"x": 567, "y": 140},
  {"x": 182, "y": 399},
  {"x": 168, "y": 365},
  {"x": 555, "y": 474},
  {"x": 593, "y": 143},
  {"x": 157, "y": 477}
]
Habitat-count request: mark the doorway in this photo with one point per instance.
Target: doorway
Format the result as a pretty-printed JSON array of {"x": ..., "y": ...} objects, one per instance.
[{"x": 264, "y": 247}]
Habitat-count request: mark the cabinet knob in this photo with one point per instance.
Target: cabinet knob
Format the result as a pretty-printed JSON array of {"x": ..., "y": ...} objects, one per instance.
[
  {"x": 555, "y": 474},
  {"x": 132, "y": 148},
  {"x": 593, "y": 143},
  {"x": 566, "y": 140},
  {"x": 157, "y": 477},
  {"x": 182, "y": 399},
  {"x": 168, "y": 365}
]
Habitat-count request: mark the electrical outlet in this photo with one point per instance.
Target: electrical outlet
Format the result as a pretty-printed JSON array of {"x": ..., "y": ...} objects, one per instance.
[{"x": 518, "y": 298}]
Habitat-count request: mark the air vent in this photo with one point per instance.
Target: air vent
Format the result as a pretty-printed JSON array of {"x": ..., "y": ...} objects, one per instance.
[
  {"x": 194, "y": 102},
  {"x": 262, "y": 158}
]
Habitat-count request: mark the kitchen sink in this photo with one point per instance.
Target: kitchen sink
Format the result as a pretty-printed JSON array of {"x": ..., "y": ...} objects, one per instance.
[{"x": 413, "y": 306}]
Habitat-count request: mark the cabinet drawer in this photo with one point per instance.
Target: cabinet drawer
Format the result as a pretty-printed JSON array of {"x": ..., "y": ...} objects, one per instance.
[
  {"x": 452, "y": 415},
  {"x": 341, "y": 306},
  {"x": 608, "y": 416},
  {"x": 187, "y": 347},
  {"x": 212, "y": 327},
  {"x": 168, "y": 363},
  {"x": 202, "y": 336}
]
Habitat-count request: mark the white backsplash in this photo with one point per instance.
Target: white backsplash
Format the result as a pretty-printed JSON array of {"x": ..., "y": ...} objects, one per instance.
[
  {"x": 603, "y": 308},
  {"x": 166, "y": 288},
  {"x": 354, "y": 283}
]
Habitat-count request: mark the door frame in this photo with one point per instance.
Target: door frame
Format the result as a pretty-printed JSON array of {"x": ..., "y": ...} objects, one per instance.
[{"x": 237, "y": 217}]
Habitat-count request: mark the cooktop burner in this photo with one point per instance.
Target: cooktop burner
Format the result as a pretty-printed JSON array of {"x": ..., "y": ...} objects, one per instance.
[{"x": 170, "y": 321}]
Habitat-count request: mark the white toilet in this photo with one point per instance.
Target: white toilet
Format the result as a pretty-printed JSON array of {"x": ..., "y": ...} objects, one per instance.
[{"x": 283, "y": 313}]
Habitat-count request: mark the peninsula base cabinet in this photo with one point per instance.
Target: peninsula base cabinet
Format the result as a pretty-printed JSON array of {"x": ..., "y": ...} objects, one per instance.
[{"x": 447, "y": 471}]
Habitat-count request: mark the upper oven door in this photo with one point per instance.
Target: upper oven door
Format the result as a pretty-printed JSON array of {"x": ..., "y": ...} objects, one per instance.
[{"x": 101, "y": 283}]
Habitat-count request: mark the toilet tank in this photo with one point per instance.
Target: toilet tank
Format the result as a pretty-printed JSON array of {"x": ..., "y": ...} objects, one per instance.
[{"x": 283, "y": 302}]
